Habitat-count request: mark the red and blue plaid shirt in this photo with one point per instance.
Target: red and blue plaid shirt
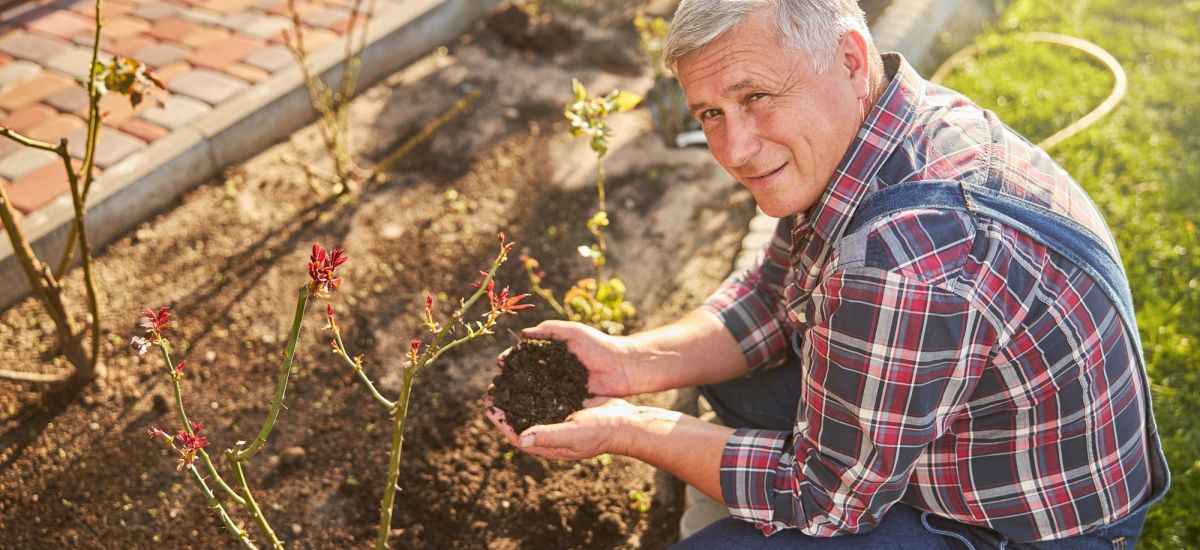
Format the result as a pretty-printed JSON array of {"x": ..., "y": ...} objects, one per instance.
[{"x": 951, "y": 363}]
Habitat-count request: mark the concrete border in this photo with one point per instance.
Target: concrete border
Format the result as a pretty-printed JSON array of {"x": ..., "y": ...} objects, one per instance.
[{"x": 151, "y": 180}]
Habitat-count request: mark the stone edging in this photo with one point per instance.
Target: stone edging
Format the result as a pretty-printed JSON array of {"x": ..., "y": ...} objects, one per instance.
[{"x": 152, "y": 179}]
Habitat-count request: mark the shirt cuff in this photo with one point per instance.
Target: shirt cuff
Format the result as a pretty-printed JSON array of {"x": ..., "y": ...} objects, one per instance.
[{"x": 750, "y": 481}]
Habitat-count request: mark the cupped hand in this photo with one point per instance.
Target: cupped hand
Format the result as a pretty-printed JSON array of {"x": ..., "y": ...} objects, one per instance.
[
  {"x": 588, "y": 432},
  {"x": 607, "y": 358}
]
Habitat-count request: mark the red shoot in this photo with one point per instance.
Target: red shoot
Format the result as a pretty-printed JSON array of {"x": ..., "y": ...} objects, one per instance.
[
  {"x": 320, "y": 268},
  {"x": 178, "y": 372},
  {"x": 156, "y": 323}
]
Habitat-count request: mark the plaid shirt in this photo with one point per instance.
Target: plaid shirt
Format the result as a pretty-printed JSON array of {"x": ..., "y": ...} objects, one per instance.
[{"x": 949, "y": 362}]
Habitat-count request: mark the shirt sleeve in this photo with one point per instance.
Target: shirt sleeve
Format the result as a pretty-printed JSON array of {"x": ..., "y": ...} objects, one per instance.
[
  {"x": 889, "y": 363},
  {"x": 750, "y": 304}
]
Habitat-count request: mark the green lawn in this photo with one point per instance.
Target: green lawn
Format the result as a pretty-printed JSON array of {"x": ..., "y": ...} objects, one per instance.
[{"x": 1141, "y": 164}]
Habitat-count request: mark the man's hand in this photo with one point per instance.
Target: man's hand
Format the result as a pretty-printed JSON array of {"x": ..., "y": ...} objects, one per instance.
[
  {"x": 588, "y": 432},
  {"x": 608, "y": 359}
]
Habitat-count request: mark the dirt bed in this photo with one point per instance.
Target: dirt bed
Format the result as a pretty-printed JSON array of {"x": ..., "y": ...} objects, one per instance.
[{"x": 76, "y": 469}]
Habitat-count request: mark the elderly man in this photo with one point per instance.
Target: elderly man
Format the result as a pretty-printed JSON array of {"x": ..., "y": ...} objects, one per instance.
[{"x": 937, "y": 349}]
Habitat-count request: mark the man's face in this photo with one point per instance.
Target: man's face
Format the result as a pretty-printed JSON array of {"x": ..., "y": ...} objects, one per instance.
[{"x": 776, "y": 125}]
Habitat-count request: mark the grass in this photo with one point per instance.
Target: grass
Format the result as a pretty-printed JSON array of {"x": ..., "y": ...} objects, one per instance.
[{"x": 1141, "y": 164}]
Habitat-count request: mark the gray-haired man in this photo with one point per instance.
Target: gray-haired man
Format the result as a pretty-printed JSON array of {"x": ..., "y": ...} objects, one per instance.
[{"x": 937, "y": 349}]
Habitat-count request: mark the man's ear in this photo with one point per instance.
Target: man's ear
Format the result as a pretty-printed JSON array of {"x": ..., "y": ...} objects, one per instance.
[{"x": 852, "y": 62}]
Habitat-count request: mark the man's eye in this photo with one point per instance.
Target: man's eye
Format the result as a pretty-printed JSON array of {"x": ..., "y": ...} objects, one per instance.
[
  {"x": 709, "y": 113},
  {"x": 756, "y": 96}
]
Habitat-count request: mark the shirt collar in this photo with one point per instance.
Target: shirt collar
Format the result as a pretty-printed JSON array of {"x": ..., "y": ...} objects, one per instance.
[{"x": 885, "y": 127}]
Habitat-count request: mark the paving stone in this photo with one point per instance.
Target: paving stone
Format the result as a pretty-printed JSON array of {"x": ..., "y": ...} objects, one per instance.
[
  {"x": 253, "y": 75},
  {"x": 34, "y": 47},
  {"x": 206, "y": 85},
  {"x": 109, "y": 10},
  {"x": 172, "y": 70},
  {"x": 38, "y": 187},
  {"x": 120, "y": 28},
  {"x": 271, "y": 59},
  {"x": 58, "y": 127},
  {"x": 228, "y": 6},
  {"x": 129, "y": 47},
  {"x": 314, "y": 39},
  {"x": 117, "y": 110},
  {"x": 347, "y": 24},
  {"x": 154, "y": 11},
  {"x": 266, "y": 26},
  {"x": 33, "y": 89},
  {"x": 147, "y": 131},
  {"x": 327, "y": 17},
  {"x": 161, "y": 54},
  {"x": 176, "y": 111},
  {"x": 5, "y": 59},
  {"x": 204, "y": 37},
  {"x": 219, "y": 55},
  {"x": 8, "y": 147},
  {"x": 86, "y": 40},
  {"x": 72, "y": 99},
  {"x": 238, "y": 21},
  {"x": 173, "y": 28},
  {"x": 113, "y": 147},
  {"x": 62, "y": 24},
  {"x": 280, "y": 8},
  {"x": 202, "y": 16},
  {"x": 75, "y": 62},
  {"x": 17, "y": 71},
  {"x": 24, "y": 161},
  {"x": 23, "y": 119},
  {"x": 21, "y": 12}
]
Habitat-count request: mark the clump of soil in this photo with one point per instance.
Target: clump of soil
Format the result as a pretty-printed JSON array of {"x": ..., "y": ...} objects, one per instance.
[
  {"x": 541, "y": 382},
  {"x": 522, "y": 27}
]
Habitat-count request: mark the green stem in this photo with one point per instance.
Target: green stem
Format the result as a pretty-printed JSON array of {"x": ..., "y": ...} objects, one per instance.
[
  {"x": 285, "y": 369},
  {"x": 164, "y": 348},
  {"x": 337, "y": 334},
  {"x": 85, "y": 248},
  {"x": 470, "y": 336},
  {"x": 393, "y": 476},
  {"x": 215, "y": 505},
  {"x": 600, "y": 241},
  {"x": 251, "y": 506}
]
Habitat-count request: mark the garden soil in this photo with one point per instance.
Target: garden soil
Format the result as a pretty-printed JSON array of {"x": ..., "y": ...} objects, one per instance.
[{"x": 77, "y": 469}]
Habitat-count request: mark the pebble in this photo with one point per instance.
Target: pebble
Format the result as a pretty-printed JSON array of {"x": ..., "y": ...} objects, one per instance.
[
  {"x": 94, "y": 426},
  {"x": 210, "y": 356},
  {"x": 512, "y": 113},
  {"x": 297, "y": 529}
]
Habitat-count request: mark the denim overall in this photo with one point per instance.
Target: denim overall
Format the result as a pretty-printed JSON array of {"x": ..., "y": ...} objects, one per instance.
[{"x": 1085, "y": 250}]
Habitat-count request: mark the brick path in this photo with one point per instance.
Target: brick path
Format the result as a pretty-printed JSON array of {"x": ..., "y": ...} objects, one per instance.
[{"x": 207, "y": 51}]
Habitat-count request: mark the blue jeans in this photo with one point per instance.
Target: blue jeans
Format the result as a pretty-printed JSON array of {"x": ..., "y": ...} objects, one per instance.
[{"x": 767, "y": 399}]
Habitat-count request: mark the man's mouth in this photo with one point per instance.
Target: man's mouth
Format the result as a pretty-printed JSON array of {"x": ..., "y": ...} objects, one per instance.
[{"x": 765, "y": 175}]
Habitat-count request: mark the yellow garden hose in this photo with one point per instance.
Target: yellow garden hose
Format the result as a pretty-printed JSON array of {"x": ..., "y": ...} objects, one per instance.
[{"x": 1120, "y": 84}]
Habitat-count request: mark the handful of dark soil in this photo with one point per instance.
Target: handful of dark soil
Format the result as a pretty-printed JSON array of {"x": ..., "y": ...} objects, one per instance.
[{"x": 541, "y": 382}]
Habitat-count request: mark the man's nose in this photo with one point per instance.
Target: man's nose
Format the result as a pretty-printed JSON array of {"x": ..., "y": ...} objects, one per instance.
[{"x": 742, "y": 142}]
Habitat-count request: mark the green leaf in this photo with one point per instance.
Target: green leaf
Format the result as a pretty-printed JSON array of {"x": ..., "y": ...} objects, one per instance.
[
  {"x": 625, "y": 101},
  {"x": 580, "y": 91}
]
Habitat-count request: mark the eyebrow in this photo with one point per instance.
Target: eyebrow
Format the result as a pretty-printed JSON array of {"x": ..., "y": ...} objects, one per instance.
[{"x": 743, "y": 84}]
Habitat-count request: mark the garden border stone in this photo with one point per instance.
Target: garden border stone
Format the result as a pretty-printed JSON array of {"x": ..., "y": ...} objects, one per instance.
[{"x": 152, "y": 179}]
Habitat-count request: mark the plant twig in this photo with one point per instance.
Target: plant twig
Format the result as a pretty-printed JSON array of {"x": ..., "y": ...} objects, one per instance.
[
  {"x": 215, "y": 505},
  {"x": 341, "y": 349},
  {"x": 235, "y": 464},
  {"x": 285, "y": 369},
  {"x": 428, "y": 130}
]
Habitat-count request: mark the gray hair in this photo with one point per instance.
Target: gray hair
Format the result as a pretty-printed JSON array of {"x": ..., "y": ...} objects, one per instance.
[{"x": 815, "y": 27}]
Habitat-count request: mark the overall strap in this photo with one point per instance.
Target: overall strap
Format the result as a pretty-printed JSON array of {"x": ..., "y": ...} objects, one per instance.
[{"x": 1055, "y": 231}]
